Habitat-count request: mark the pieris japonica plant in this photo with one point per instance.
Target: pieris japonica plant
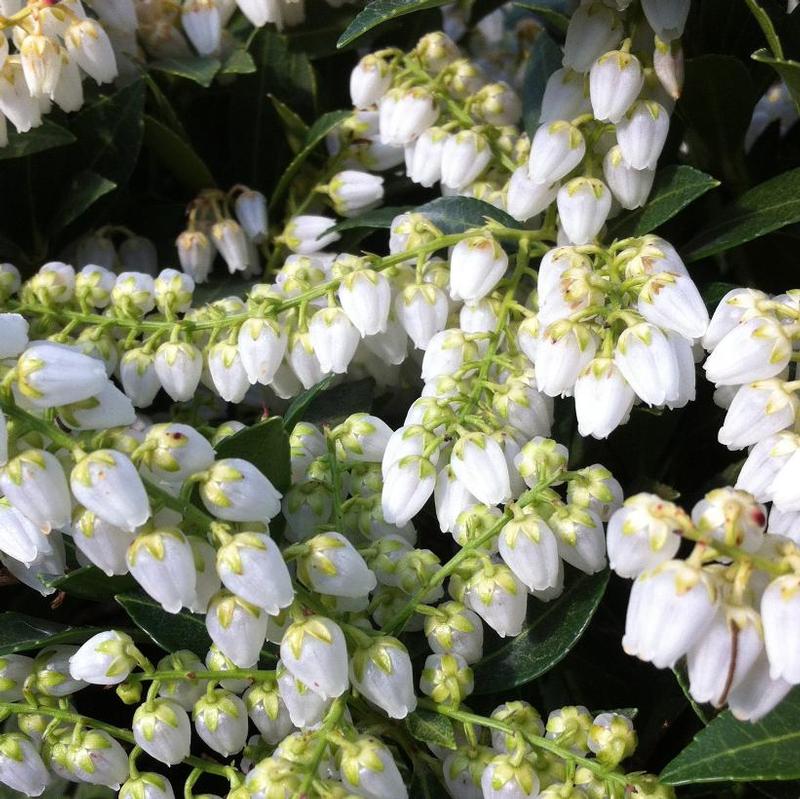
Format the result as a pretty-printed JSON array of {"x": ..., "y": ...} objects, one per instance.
[{"x": 392, "y": 498}]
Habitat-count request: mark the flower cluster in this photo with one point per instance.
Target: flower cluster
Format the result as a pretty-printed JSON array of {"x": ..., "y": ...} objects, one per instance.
[{"x": 730, "y": 607}]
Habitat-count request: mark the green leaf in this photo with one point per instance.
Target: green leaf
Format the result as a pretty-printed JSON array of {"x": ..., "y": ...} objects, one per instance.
[
  {"x": 425, "y": 784},
  {"x": 316, "y": 133},
  {"x": 47, "y": 136},
  {"x": 89, "y": 582},
  {"x": 544, "y": 61},
  {"x": 110, "y": 133},
  {"x": 266, "y": 446},
  {"x": 323, "y": 404},
  {"x": 767, "y": 207},
  {"x": 201, "y": 70},
  {"x": 377, "y": 12},
  {"x": 431, "y": 728},
  {"x": 788, "y": 70},
  {"x": 296, "y": 129},
  {"x": 171, "y": 631},
  {"x": 177, "y": 155},
  {"x": 674, "y": 188},
  {"x": 83, "y": 191},
  {"x": 553, "y": 628},
  {"x": 377, "y": 218},
  {"x": 728, "y": 749},
  {"x": 457, "y": 214},
  {"x": 21, "y": 633},
  {"x": 239, "y": 62},
  {"x": 555, "y": 19}
]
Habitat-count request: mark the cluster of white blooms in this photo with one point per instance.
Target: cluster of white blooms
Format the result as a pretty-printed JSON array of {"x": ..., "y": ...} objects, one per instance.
[
  {"x": 56, "y": 45},
  {"x": 605, "y": 112},
  {"x": 731, "y": 607},
  {"x": 752, "y": 339},
  {"x": 306, "y": 742}
]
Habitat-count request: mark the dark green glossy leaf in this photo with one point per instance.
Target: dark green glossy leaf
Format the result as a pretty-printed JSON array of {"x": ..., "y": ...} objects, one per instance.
[
  {"x": 431, "y": 728},
  {"x": 83, "y": 191},
  {"x": 377, "y": 12},
  {"x": 327, "y": 404},
  {"x": 544, "y": 61},
  {"x": 239, "y": 62},
  {"x": 788, "y": 70},
  {"x": 22, "y": 633},
  {"x": 110, "y": 133},
  {"x": 177, "y": 155},
  {"x": 265, "y": 445},
  {"x": 457, "y": 214},
  {"x": 47, "y": 136},
  {"x": 548, "y": 14},
  {"x": 425, "y": 784},
  {"x": 89, "y": 582},
  {"x": 728, "y": 749},
  {"x": 296, "y": 129},
  {"x": 171, "y": 631},
  {"x": 674, "y": 188},
  {"x": 201, "y": 70},
  {"x": 553, "y": 628},
  {"x": 378, "y": 218},
  {"x": 316, "y": 133},
  {"x": 767, "y": 207}
]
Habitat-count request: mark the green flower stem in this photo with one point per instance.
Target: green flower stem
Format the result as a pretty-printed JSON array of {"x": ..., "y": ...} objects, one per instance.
[
  {"x": 116, "y": 732},
  {"x": 714, "y": 547},
  {"x": 536, "y": 741},
  {"x": 330, "y": 722},
  {"x": 336, "y": 479},
  {"x": 395, "y": 625},
  {"x": 193, "y": 676}
]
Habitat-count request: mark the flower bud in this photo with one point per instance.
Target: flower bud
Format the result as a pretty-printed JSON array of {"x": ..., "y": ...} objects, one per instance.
[
  {"x": 220, "y": 719},
  {"x": 580, "y": 538},
  {"x": 237, "y": 491},
  {"x": 520, "y": 715},
  {"x": 505, "y": 778},
  {"x": 105, "y": 659},
  {"x": 583, "y": 207},
  {"x": 541, "y": 460},
  {"x": 237, "y": 628},
  {"x": 146, "y": 786},
  {"x": 668, "y": 65},
  {"x": 315, "y": 652},
  {"x": 183, "y": 692},
  {"x": 353, "y": 192},
  {"x": 93, "y": 285},
  {"x": 557, "y": 148},
  {"x": 161, "y": 728},
  {"x": 268, "y": 711},
  {"x": 368, "y": 769},
  {"x": 179, "y": 365},
  {"x": 21, "y": 766},
  {"x": 382, "y": 673},
  {"x": 95, "y": 757},
  {"x": 570, "y": 726},
  {"x": 35, "y": 485},
  {"x": 133, "y": 294},
  {"x": 309, "y": 234},
  {"x": 332, "y": 566},
  {"x": 173, "y": 291},
  {"x": 162, "y": 563},
  {"x": 463, "y": 771},
  {"x": 106, "y": 482},
  {"x": 446, "y": 679},
  {"x": 174, "y": 452},
  {"x": 612, "y": 738},
  {"x": 251, "y": 566},
  {"x": 641, "y": 134},
  {"x": 457, "y": 630},
  {"x": 14, "y": 670},
  {"x": 732, "y": 516},
  {"x": 51, "y": 374}
]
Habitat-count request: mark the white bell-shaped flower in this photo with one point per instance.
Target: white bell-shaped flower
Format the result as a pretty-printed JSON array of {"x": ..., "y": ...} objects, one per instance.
[
  {"x": 34, "y": 483},
  {"x": 644, "y": 533},
  {"x": 498, "y": 597},
  {"x": 630, "y": 187},
  {"x": 504, "y": 778},
  {"x": 404, "y": 114},
  {"x": 580, "y": 538},
  {"x": 106, "y": 482},
  {"x": 666, "y": 17},
  {"x": 479, "y": 463},
  {"x": 95, "y": 757},
  {"x": 465, "y": 155},
  {"x": 268, "y": 711},
  {"x": 105, "y": 659},
  {"x": 422, "y": 310},
  {"x": 147, "y": 785},
  {"x": 780, "y": 611},
  {"x": 88, "y": 45},
  {"x": 451, "y": 498},
  {"x": 641, "y": 134},
  {"x": 593, "y": 29},
  {"x": 231, "y": 242},
  {"x": 647, "y": 361},
  {"x": 334, "y": 339},
  {"x": 583, "y": 207},
  {"x": 101, "y": 543},
  {"x": 566, "y": 96},
  {"x": 306, "y": 707},
  {"x": 235, "y": 490},
  {"x": 408, "y": 485},
  {"x": 21, "y": 765},
  {"x": 455, "y": 629},
  {"x": 673, "y": 302},
  {"x": 220, "y": 719},
  {"x": 138, "y": 376},
  {"x": 332, "y": 565},
  {"x": 307, "y": 234},
  {"x": 369, "y": 81},
  {"x": 757, "y": 693},
  {"x": 736, "y": 306},
  {"x": 13, "y": 334},
  {"x": 353, "y": 192},
  {"x": 668, "y": 66},
  {"x": 179, "y": 365},
  {"x": 669, "y": 611},
  {"x": 524, "y": 197},
  {"x": 382, "y": 674},
  {"x": 476, "y": 266},
  {"x": 758, "y": 410},
  {"x": 227, "y": 371},
  {"x": 14, "y": 670},
  {"x": 366, "y": 298},
  {"x": 765, "y": 461},
  {"x": 530, "y": 550},
  {"x": 368, "y": 769},
  {"x": 424, "y": 157},
  {"x": 615, "y": 81},
  {"x": 174, "y": 452},
  {"x": 109, "y": 408},
  {"x": 51, "y": 374},
  {"x": 557, "y": 148},
  {"x": 251, "y": 566},
  {"x": 563, "y": 351},
  {"x": 162, "y": 563},
  {"x": 238, "y": 628},
  {"x": 207, "y": 581},
  {"x": 262, "y": 345},
  {"x": 315, "y": 652},
  {"x": 20, "y": 538},
  {"x": 603, "y": 398}
]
